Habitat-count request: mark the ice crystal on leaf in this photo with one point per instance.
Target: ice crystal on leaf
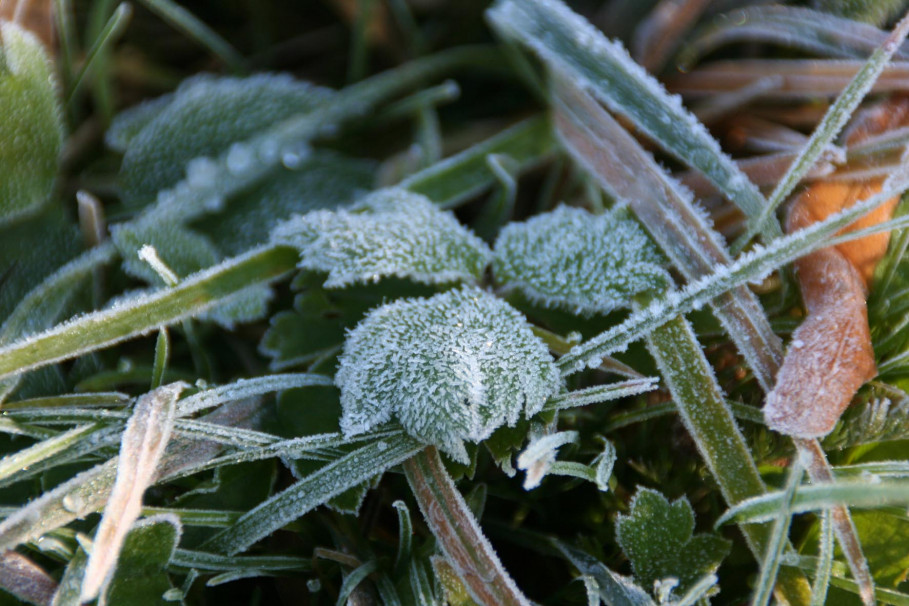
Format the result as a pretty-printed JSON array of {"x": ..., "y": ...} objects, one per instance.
[
  {"x": 571, "y": 259},
  {"x": 391, "y": 232},
  {"x": 453, "y": 367}
]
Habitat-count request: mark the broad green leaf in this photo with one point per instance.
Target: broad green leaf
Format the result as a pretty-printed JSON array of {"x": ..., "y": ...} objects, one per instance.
[
  {"x": 204, "y": 117},
  {"x": 884, "y": 535},
  {"x": 325, "y": 179},
  {"x": 571, "y": 259},
  {"x": 391, "y": 232},
  {"x": 31, "y": 134},
  {"x": 451, "y": 368},
  {"x": 657, "y": 537},
  {"x": 141, "y": 576}
]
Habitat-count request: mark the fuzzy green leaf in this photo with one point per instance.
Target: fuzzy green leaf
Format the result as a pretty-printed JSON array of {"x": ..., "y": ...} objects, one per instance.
[
  {"x": 31, "y": 134},
  {"x": 574, "y": 260},
  {"x": 453, "y": 367},
  {"x": 657, "y": 538},
  {"x": 391, "y": 232},
  {"x": 204, "y": 117},
  {"x": 141, "y": 577}
]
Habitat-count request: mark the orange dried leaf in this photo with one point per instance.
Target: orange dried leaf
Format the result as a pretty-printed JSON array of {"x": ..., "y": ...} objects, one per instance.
[{"x": 830, "y": 355}]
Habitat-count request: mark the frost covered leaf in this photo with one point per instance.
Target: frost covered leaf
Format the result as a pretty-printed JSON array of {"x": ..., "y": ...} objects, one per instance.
[
  {"x": 574, "y": 260},
  {"x": 391, "y": 232},
  {"x": 203, "y": 117},
  {"x": 657, "y": 538},
  {"x": 31, "y": 134},
  {"x": 450, "y": 368},
  {"x": 142, "y": 445},
  {"x": 141, "y": 577}
]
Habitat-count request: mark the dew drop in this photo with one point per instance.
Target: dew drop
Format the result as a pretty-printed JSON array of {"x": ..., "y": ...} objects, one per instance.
[
  {"x": 201, "y": 172},
  {"x": 239, "y": 160},
  {"x": 293, "y": 156}
]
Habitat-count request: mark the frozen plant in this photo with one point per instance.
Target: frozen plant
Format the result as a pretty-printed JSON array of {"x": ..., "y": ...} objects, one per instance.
[{"x": 451, "y": 368}]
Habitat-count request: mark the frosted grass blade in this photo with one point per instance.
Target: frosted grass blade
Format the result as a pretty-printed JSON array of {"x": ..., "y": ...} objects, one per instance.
[
  {"x": 145, "y": 313},
  {"x": 246, "y": 388},
  {"x": 817, "y": 32},
  {"x": 575, "y": 49},
  {"x": 667, "y": 210},
  {"x": 750, "y": 266},
  {"x": 777, "y": 540},
  {"x": 601, "y": 393},
  {"x": 871, "y": 493},
  {"x": 834, "y": 120},
  {"x": 312, "y": 491}
]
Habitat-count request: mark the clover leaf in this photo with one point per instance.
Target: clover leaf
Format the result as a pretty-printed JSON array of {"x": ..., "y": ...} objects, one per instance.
[
  {"x": 657, "y": 538},
  {"x": 450, "y": 368}
]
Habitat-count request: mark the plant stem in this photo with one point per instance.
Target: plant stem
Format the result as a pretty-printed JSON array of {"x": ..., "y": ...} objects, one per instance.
[{"x": 458, "y": 533}]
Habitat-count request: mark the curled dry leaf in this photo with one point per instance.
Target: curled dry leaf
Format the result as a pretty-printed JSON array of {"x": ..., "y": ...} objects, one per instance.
[
  {"x": 141, "y": 447},
  {"x": 831, "y": 355}
]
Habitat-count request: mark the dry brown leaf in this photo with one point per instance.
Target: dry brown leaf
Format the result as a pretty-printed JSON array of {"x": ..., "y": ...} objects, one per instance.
[
  {"x": 831, "y": 355},
  {"x": 141, "y": 447}
]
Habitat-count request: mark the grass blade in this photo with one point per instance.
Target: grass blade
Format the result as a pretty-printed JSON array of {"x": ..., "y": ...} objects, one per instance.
[
  {"x": 142, "y": 445},
  {"x": 572, "y": 47},
  {"x": 183, "y": 20},
  {"x": 834, "y": 120},
  {"x": 312, "y": 491}
]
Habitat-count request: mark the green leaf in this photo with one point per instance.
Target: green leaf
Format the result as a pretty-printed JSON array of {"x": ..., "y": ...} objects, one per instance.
[
  {"x": 204, "y": 117},
  {"x": 31, "y": 135},
  {"x": 571, "y": 259},
  {"x": 391, "y": 232},
  {"x": 657, "y": 537},
  {"x": 141, "y": 578},
  {"x": 326, "y": 179},
  {"x": 453, "y": 367}
]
